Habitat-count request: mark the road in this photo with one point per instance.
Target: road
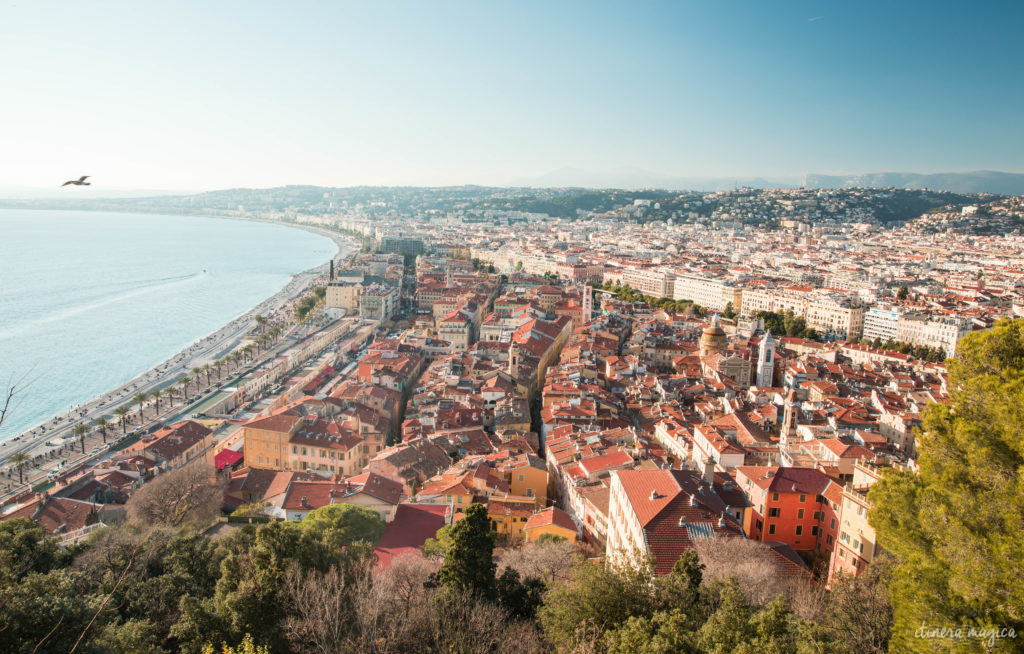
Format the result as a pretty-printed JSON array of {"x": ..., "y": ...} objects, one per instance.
[{"x": 166, "y": 374}]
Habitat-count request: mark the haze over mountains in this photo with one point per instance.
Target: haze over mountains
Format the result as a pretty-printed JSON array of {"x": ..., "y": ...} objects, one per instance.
[
  {"x": 627, "y": 177},
  {"x": 979, "y": 181}
]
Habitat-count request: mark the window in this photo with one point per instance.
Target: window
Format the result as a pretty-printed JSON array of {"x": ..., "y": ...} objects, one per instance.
[
  {"x": 799, "y": 530},
  {"x": 833, "y": 523},
  {"x": 800, "y": 514},
  {"x": 303, "y": 451},
  {"x": 773, "y": 513},
  {"x": 771, "y": 529},
  {"x": 816, "y": 515},
  {"x": 814, "y": 531},
  {"x": 775, "y": 497},
  {"x": 828, "y": 539},
  {"x": 803, "y": 498},
  {"x": 529, "y": 492},
  {"x": 760, "y": 525},
  {"x": 295, "y": 450},
  {"x": 522, "y": 477}
]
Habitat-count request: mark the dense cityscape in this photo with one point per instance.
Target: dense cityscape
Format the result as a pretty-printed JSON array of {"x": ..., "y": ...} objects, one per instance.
[{"x": 703, "y": 388}]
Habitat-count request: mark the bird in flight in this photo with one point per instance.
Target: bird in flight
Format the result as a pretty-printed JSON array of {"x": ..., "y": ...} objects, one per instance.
[{"x": 78, "y": 182}]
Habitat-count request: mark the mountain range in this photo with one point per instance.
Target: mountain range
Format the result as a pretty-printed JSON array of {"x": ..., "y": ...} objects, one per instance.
[{"x": 979, "y": 181}]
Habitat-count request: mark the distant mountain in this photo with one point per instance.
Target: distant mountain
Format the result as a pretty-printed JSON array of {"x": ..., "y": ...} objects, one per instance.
[
  {"x": 978, "y": 181},
  {"x": 629, "y": 177}
]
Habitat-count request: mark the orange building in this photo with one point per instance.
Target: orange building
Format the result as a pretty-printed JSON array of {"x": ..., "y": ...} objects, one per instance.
[
  {"x": 551, "y": 521},
  {"x": 796, "y": 506}
]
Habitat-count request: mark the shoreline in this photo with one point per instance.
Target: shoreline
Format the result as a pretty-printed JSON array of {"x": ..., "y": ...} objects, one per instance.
[{"x": 204, "y": 349}]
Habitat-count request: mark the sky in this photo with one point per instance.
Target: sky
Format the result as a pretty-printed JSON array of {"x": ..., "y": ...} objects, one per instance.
[{"x": 205, "y": 95}]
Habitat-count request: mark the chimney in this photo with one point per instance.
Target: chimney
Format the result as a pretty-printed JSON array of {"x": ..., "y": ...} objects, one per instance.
[{"x": 709, "y": 471}]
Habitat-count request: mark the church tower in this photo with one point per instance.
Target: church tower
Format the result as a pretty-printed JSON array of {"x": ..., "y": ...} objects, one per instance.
[
  {"x": 587, "y": 291},
  {"x": 789, "y": 418},
  {"x": 766, "y": 361}
]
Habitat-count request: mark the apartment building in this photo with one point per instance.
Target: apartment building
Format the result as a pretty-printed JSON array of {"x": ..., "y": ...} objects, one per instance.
[
  {"x": 708, "y": 292},
  {"x": 656, "y": 283},
  {"x": 941, "y": 332}
]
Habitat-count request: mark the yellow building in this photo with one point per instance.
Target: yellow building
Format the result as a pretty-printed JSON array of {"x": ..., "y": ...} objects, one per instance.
[
  {"x": 509, "y": 514},
  {"x": 527, "y": 476},
  {"x": 551, "y": 521}
]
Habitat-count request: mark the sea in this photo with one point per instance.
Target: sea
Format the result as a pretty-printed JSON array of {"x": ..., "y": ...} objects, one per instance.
[{"x": 90, "y": 300}]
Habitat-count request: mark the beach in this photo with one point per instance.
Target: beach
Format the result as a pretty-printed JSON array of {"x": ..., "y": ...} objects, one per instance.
[{"x": 45, "y": 440}]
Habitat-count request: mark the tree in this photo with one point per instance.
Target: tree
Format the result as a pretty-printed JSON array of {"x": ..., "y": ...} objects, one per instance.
[
  {"x": 192, "y": 494},
  {"x": 247, "y": 646},
  {"x": 139, "y": 399},
  {"x": 954, "y": 528},
  {"x": 598, "y": 598},
  {"x": 101, "y": 424},
  {"x": 730, "y": 311},
  {"x": 155, "y": 395},
  {"x": 468, "y": 561},
  {"x": 19, "y": 460},
  {"x": 902, "y": 293},
  {"x": 206, "y": 371},
  {"x": 80, "y": 430},
  {"x": 342, "y": 524},
  {"x": 121, "y": 412}
]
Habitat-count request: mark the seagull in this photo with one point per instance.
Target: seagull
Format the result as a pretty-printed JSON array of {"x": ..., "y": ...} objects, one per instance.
[{"x": 78, "y": 182}]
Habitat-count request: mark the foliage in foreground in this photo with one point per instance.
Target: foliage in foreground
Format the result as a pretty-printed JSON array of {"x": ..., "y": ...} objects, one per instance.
[{"x": 955, "y": 527}]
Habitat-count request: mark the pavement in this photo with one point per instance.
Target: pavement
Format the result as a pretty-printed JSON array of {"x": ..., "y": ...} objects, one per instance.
[{"x": 277, "y": 309}]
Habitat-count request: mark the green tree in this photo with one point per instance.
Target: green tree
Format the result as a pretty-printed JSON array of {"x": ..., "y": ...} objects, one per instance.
[
  {"x": 19, "y": 460},
  {"x": 247, "y": 646},
  {"x": 342, "y": 524},
  {"x": 902, "y": 293},
  {"x": 139, "y": 399},
  {"x": 598, "y": 598},
  {"x": 121, "y": 412},
  {"x": 730, "y": 311},
  {"x": 664, "y": 632},
  {"x": 25, "y": 548},
  {"x": 101, "y": 424},
  {"x": 80, "y": 430},
  {"x": 955, "y": 527},
  {"x": 469, "y": 560},
  {"x": 437, "y": 546}
]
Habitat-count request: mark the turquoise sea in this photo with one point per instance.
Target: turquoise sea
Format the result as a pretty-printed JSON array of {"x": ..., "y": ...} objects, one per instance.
[{"x": 89, "y": 300}]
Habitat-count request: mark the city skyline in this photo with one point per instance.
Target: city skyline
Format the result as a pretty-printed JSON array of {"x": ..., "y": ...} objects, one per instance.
[{"x": 194, "y": 98}]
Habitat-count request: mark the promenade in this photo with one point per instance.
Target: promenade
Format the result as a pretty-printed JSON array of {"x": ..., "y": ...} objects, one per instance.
[{"x": 53, "y": 442}]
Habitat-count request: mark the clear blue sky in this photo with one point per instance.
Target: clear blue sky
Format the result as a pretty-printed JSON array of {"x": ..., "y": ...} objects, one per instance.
[{"x": 198, "y": 95}]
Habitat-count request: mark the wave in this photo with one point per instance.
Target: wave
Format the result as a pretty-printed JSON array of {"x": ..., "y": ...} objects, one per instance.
[{"x": 139, "y": 287}]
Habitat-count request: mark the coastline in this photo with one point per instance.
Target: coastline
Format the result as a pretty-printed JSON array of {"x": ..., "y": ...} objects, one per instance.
[{"x": 204, "y": 349}]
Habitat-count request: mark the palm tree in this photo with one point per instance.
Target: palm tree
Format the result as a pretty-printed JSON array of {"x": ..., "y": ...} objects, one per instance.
[
  {"x": 155, "y": 396},
  {"x": 101, "y": 424},
  {"x": 121, "y": 412},
  {"x": 19, "y": 460},
  {"x": 184, "y": 388},
  {"x": 206, "y": 370},
  {"x": 139, "y": 399},
  {"x": 197, "y": 373},
  {"x": 80, "y": 430},
  {"x": 260, "y": 321}
]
